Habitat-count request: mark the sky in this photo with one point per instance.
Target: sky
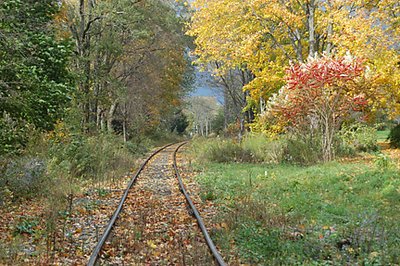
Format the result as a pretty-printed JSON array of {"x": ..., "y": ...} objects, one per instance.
[{"x": 205, "y": 86}]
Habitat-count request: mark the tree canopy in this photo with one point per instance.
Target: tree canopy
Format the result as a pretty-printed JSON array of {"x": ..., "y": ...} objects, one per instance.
[
  {"x": 108, "y": 66},
  {"x": 264, "y": 36}
]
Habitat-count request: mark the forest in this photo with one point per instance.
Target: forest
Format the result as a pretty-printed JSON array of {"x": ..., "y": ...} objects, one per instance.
[{"x": 291, "y": 158}]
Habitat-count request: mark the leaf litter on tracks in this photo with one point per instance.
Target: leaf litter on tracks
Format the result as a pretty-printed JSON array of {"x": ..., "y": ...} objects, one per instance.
[{"x": 155, "y": 227}]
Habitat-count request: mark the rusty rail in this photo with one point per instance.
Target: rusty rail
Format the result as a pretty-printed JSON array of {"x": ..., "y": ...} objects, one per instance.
[
  {"x": 96, "y": 252},
  {"x": 200, "y": 222}
]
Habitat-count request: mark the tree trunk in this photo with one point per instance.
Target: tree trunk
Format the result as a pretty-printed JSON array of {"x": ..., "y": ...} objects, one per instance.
[
  {"x": 226, "y": 109},
  {"x": 102, "y": 122},
  {"x": 201, "y": 128},
  {"x": 124, "y": 129},
  {"x": 207, "y": 128},
  {"x": 262, "y": 105},
  {"x": 311, "y": 27},
  {"x": 328, "y": 133},
  {"x": 241, "y": 130},
  {"x": 298, "y": 46},
  {"x": 110, "y": 116},
  {"x": 98, "y": 117},
  {"x": 329, "y": 32},
  {"x": 329, "y": 35},
  {"x": 326, "y": 142}
]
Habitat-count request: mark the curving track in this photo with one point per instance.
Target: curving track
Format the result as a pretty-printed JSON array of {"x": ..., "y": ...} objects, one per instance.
[{"x": 154, "y": 223}]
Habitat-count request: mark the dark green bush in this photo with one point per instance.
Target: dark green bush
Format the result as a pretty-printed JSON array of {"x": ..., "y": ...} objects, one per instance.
[
  {"x": 179, "y": 123},
  {"x": 13, "y": 135},
  {"x": 394, "y": 137}
]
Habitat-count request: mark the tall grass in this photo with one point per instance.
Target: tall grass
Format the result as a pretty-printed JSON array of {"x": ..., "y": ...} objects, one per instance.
[{"x": 253, "y": 149}]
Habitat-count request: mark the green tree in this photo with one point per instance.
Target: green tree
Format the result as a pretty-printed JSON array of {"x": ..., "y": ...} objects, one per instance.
[
  {"x": 34, "y": 80},
  {"x": 131, "y": 63},
  {"x": 179, "y": 122}
]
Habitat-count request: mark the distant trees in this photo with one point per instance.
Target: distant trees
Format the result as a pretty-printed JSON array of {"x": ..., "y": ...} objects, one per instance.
[
  {"x": 235, "y": 99},
  {"x": 203, "y": 110}
]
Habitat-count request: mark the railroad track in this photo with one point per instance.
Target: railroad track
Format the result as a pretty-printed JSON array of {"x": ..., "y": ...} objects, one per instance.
[{"x": 156, "y": 222}]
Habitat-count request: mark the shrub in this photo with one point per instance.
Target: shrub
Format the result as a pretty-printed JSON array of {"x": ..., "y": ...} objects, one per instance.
[
  {"x": 27, "y": 225},
  {"x": 219, "y": 150},
  {"x": 264, "y": 149},
  {"x": 138, "y": 148},
  {"x": 296, "y": 148},
  {"x": 318, "y": 96},
  {"x": 254, "y": 148},
  {"x": 25, "y": 177},
  {"x": 357, "y": 137},
  {"x": 394, "y": 137},
  {"x": 13, "y": 136},
  {"x": 95, "y": 158},
  {"x": 306, "y": 149},
  {"x": 383, "y": 162},
  {"x": 303, "y": 151},
  {"x": 64, "y": 159}
]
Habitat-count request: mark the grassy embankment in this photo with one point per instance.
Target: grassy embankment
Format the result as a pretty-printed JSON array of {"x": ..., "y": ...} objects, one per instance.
[{"x": 342, "y": 212}]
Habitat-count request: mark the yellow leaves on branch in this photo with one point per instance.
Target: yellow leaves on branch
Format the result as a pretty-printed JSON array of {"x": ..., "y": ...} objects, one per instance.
[{"x": 263, "y": 36}]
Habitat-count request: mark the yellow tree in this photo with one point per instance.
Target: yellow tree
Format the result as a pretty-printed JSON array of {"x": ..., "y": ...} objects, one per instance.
[{"x": 263, "y": 36}]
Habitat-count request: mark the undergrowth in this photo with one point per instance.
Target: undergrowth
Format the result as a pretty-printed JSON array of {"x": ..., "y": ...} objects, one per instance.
[
  {"x": 255, "y": 148},
  {"x": 53, "y": 169},
  {"x": 295, "y": 149}
]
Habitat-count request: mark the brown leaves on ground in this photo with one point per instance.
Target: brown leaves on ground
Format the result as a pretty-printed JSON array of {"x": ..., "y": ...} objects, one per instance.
[
  {"x": 155, "y": 227},
  {"x": 36, "y": 232}
]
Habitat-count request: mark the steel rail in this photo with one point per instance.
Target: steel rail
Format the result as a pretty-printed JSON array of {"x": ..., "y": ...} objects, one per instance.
[
  {"x": 96, "y": 252},
  {"x": 200, "y": 222}
]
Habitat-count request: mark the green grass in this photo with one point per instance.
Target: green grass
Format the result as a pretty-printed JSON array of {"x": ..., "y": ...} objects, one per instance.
[
  {"x": 382, "y": 135},
  {"x": 340, "y": 213}
]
